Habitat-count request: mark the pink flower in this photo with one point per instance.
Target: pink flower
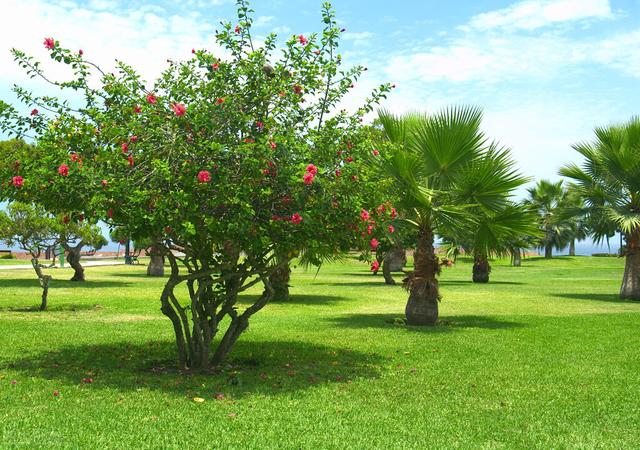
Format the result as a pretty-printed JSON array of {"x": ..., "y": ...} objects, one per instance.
[
  {"x": 204, "y": 176},
  {"x": 297, "y": 89},
  {"x": 34, "y": 112},
  {"x": 354, "y": 177},
  {"x": 124, "y": 147},
  {"x": 63, "y": 170},
  {"x": 364, "y": 215},
  {"x": 273, "y": 145},
  {"x": 104, "y": 183},
  {"x": 134, "y": 138},
  {"x": 75, "y": 157},
  {"x": 369, "y": 229},
  {"x": 349, "y": 159},
  {"x": 179, "y": 109},
  {"x": 49, "y": 43},
  {"x": 260, "y": 124},
  {"x": 317, "y": 52},
  {"x": 394, "y": 213},
  {"x": 308, "y": 178},
  {"x": 375, "y": 152},
  {"x": 265, "y": 171},
  {"x": 296, "y": 218},
  {"x": 87, "y": 380},
  {"x": 130, "y": 159},
  {"x": 312, "y": 169},
  {"x": 338, "y": 173},
  {"x": 80, "y": 52},
  {"x": 152, "y": 99},
  {"x": 137, "y": 109},
  {"x": 374, "y": 243},
  {"x": 375, "y": 266},
  {"x": 391, "y": 229},
  {"x": 18, "y": 181},
  {"x": 303, "y": 40},
  {"x": 215, "y": 66}
]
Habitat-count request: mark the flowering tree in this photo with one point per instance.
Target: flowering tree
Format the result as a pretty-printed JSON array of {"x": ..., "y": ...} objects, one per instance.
[
  {"x": 229, "y": 160},
  {"x": 32, "y": 229}
]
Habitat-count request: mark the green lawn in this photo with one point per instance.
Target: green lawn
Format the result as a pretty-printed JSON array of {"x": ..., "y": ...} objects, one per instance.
[{"x": 544, "y": 356}]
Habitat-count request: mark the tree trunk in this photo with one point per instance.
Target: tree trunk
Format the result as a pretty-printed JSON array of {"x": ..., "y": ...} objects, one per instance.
[
  {"x": 548, "y": 251},
  {"x": 630, "y": 288},
  {"x": 572, "y": 247},
  {"x": 481, "y": 269},
  {"x": 280, "y": 282},
  {"x": 73, "y": 258},
  {"x": 422, "y": 283},
  {"x": 44, "y": 283},
  {"x": 156, "y": 264},
  {"x": 516, "y": 256},
  {"x": 386, "y": 272}
]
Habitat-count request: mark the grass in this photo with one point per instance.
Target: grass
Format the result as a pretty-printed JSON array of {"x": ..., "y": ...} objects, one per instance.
[{"x": 545, "y": 356}]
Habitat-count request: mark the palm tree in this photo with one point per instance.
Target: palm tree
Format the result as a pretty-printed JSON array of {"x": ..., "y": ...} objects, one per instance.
[
  {"x": 432, "y": 159},
  {"x": 609, "y": 182},
  {"x": 549, "y": 200}
]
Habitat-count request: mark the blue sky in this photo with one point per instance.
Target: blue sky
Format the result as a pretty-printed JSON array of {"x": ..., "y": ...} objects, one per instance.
[{"x": 546, "y": 72}]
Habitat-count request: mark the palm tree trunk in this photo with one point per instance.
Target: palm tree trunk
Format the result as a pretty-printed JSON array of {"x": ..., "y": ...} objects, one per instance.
[
  {"x": 572, "y": 247},
  {"x": 630, "y": 288},
  {"x": 516, "y": 257},
  {"x": 481, "y": 269},
  {"x": 279, "y": 280},
  {"x": 422, "y": 283},
  {"x": 548, "y": 251}
]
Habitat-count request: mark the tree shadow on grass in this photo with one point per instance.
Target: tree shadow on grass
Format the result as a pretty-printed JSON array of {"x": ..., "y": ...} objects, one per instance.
[
  {"x": 267, "y": 368},
  {"x": 469, "y": 282},
  {"x": 21, "y": 283},
  {"x": 445, "y": 324},
  {"x": 52, "y": 308},
  {"x": 611, "y": 298}
]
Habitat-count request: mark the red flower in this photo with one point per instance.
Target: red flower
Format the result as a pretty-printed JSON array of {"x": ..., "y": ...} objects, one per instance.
[
  {"x": 179, "y": 109},
  {"x": 110, "y": 213},
  {"x": 87, "y": 380},
  {"x": 260, "y": 124},
  {"x": 63, "y": 170},
  {"x": 18, "y": 181},
  {"x": 137, "y": 109},
  {"x": 56, "y": 393},
  {"x": 66, "y": 220},
  {"x": 349, "y": 159},
  {"x": 130, "y": 159},
  {"x": 354, "y": 177},
  {"x": 296, "y": 218},
  {"x": 220, "y": 100},
  {"x": 297, "y": 89},
  {"x": 308, "y": 178},
  {"x": 204, "y": 176},
  {"x": 34, "y": 112},
  {"x": 265, "y": 171},
  {"x": 380, "y": 209},
  {"x": 49, "y": 43},
  {"x": 374, "y": 243},
  {"x": 394, "y": 213},
  {"x": 124, "y": 147},
  {"x": 215, "y": 66},
  {"x": 168, "y": 230},
  {"x": 75, "y": 157},
  {"x": 369, "y": 229},
  {"x": 273, "y": 145},
  {"x": 364, "y": 215},
  {"x": 391, "y": 229},
  {"x": 152, "y": 99},
  {"x": 338, "y": 173},
  {"x": 312, "y": 169},
  {"x": 303, "y": 40},
  {"x": 80, "y": 52},
  {"x": 375, "y": 266},
  {"x": 81, "y": 218},
  {"x": 104, "y": 183},
  {"x": 193, "y": 50},
  {"x": 248, "y": 140},
  {"x": 134, "y": 138},
  {"x": 376, "y": 152},
  {"x": 237, "y": 29}
]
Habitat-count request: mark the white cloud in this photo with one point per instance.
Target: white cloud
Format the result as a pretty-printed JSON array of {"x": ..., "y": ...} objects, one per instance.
[
  {"x": 533, "y": 14},
  {"x": 263, "y": 21},
  {"x": 359, "y": 39}
]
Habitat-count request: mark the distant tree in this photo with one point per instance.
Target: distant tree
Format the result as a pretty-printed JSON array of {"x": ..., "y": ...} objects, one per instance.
[
  {"x": 549, "y": 200},
  {"x": 76, "y": 233},
  {"x": 608, "y": 182},
  {"x": 32, "y": 229}
]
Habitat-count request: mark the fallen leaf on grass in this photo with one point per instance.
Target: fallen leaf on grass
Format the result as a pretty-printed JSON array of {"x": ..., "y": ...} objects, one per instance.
[{"x": 198, "y": 399}]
